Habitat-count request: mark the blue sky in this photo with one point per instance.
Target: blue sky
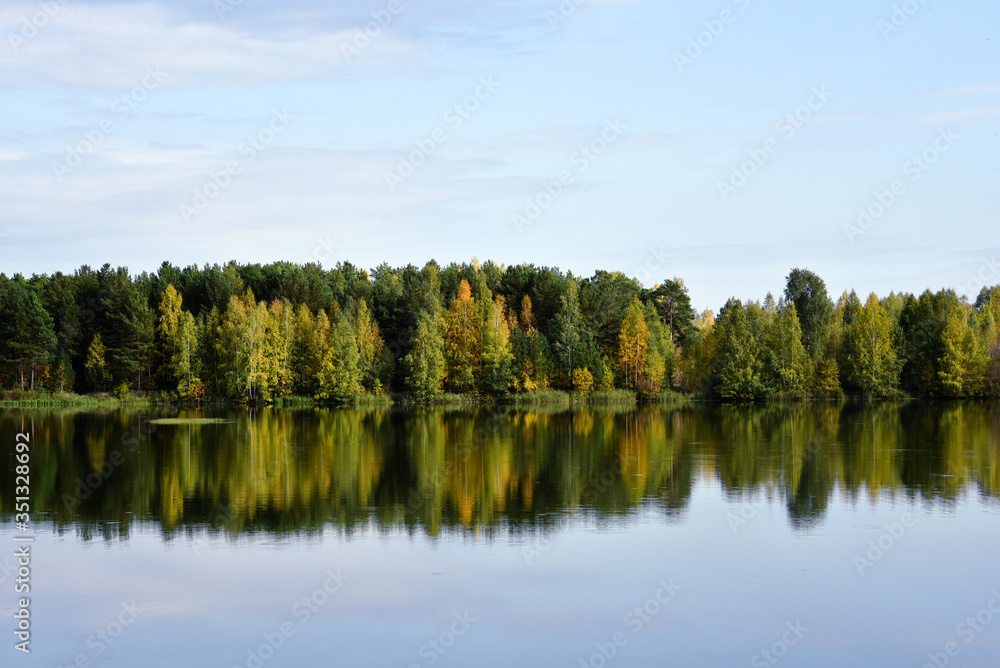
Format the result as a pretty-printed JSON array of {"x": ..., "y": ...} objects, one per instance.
[{"x": 655, "y": 138}]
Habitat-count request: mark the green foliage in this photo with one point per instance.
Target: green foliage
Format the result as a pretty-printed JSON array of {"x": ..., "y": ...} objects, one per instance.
[
  {"x": 498, "y": 358},
  {"x": 673, "y": 305},
  {"x": 341, "y": 373},
  {"x": 807, "y": 292},
  {"x": 267, "y": 333},
  {"x": 873, "y": 367},
  {"x": 742, "y": 371},
  {"x": 27, "y": 335},
  {"x": 425, "y": 363}
]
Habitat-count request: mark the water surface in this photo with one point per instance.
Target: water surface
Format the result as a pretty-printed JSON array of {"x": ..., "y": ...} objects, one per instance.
[{"x": 826, "y": 535}]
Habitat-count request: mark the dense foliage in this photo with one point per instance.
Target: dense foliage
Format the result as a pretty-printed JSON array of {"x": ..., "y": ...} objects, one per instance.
[{"x": 254, "y": 333}]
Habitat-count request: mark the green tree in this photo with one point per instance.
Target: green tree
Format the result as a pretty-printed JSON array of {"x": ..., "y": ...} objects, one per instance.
[
  {"x": 375, "y": 365},
  {"x": 815, "y": 311},
  {"x": 498, "y": 359},
  {"x": 790, "y": 370},
  {"x": 130, "y": 332},
  {"x": 27, "y": 335},
  {"x": 673, "y": 305},
  {"x": 568, "y": 334},
  {"x": 873, "y": 365},
  {"x": 425, "y": 363},
  {"x": 340, "y": 378},
  {"x": 741, "y": 375}
]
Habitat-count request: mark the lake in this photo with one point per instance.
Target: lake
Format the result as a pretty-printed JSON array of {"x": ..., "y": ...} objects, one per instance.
[{"x": 793, "y": 535}]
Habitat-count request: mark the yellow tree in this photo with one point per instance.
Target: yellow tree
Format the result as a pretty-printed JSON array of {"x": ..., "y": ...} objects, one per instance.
[
  {"x": 184, "y": 359},
  {"x": 171, "y": 312},
  {"x": 243, "y": 350},
  {"x": 97, "y": 363},
  {"x": 633, "y": 344},
  {"x": 280, "y": 332},
  {"x": 463, "y": 341},
  {"x": 498, "y": 359}
]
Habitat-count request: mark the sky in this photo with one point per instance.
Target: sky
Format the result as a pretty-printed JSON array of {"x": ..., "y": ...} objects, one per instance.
[{"x": 722, "y": 142}]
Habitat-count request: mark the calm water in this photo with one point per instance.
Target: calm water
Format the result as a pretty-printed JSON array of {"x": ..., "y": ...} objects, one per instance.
[{"x": 722, "y": 536}]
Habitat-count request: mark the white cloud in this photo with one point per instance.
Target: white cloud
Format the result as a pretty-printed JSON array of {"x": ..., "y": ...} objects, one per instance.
[{"x": 110, "y": 47}]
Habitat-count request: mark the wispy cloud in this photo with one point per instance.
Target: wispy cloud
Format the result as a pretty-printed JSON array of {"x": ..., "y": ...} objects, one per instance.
[{"x": 83, "y": 47}]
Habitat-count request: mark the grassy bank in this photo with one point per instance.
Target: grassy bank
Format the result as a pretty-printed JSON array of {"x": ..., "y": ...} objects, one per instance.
[{"x": 28, "y": 399}]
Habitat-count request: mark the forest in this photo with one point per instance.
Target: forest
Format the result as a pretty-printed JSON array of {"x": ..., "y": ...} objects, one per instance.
[{"x": 258, "y": 334}]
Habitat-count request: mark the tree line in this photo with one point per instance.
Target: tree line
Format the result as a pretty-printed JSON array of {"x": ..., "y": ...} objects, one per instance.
[{"x": 256, "y": 333}]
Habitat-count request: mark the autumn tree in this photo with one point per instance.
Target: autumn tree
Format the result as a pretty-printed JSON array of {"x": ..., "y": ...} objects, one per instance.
[
  {"x": 498, "y": 374},
  {"x": 98, "y": 374},
  {"x": 529, "y": 348},
  {"x": 633, "y": 344},
  {"x": 463, "y": 341}
]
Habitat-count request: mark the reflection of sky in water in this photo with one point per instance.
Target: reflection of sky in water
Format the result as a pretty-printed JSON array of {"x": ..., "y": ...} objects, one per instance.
[{"x": 206, "y": 600}]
